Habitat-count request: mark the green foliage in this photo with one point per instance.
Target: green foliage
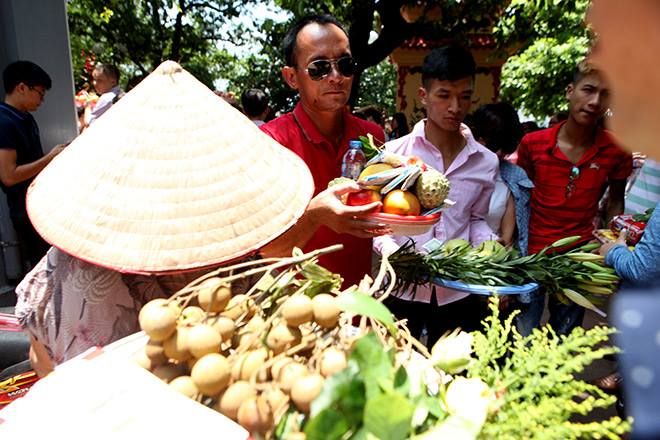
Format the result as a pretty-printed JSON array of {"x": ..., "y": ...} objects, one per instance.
[
  {"x": 534, "y": 378},
  {"x": 574, "y": 276},
  {"x": 364, "y": 305},
  {"x": 546, "y": 38},
  {"x": 536, "y": 79},
  {"x": 530, "y": 384},
  {"x": 378, "y": 86},
  {"x": 137, "y": 35},
  {"x": 372, "y": 397}
]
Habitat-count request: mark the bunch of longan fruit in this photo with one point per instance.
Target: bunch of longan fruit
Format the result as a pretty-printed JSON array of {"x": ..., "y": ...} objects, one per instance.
[{"x": 228, "y": 353}]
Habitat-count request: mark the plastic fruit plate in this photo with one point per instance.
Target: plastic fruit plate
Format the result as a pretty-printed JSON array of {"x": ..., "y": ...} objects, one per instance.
[
  {"x": 406, "y": 225},
  {"x": 487, "y": 290}
]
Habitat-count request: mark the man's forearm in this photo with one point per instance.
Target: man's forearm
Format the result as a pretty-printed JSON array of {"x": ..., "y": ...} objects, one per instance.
[
  {"x": 616, "y": 201},
  {"x": 297, "y": 235},
  {"x": 613, "y": 208}
]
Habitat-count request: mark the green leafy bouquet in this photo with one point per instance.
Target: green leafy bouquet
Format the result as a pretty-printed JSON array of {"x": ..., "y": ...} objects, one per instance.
[
  {"x": 508, "y": 388},
  {"x": 577, "y": 276}
]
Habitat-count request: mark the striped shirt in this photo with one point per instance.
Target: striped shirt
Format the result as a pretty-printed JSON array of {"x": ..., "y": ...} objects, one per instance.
[
  {"x": 555, "y": 215},
  {"x": 645, "y": 192}
]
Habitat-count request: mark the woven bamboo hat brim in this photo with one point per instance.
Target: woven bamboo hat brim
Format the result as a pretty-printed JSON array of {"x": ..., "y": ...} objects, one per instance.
[{"x": 171, "y": 178}]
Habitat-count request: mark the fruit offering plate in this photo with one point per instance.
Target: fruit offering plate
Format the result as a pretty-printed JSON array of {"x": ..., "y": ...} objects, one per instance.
[
  {"x": 486, "y": 290},
  {"x": 405, "y": 225}
]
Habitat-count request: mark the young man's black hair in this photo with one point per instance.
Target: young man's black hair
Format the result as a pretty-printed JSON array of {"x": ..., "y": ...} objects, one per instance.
[
  {"x": 498, "y": 126},
  {"x": 448, "y": 63},
  {"x": 254, "y": 102},
  {"x": 25, "y": 72},
  {"x": 289, "y": 43}
]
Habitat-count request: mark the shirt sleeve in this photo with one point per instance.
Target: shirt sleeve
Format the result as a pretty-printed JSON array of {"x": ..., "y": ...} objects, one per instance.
[
  {"x": 479, "y": 229},
  {"x": 524, "y": 159},
  {"x": 640, "y": 267},
  {"x": 385, "y": 244},
  {"x": 102, "y": 105},
  {"x": 624, "y": 169}
]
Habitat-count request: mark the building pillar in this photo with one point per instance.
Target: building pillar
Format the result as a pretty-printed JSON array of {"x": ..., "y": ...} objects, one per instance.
[{"x": 37, "y": 31}]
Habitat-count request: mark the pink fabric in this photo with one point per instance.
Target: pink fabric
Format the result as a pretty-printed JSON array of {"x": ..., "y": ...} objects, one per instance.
[
  {"x": 70, "y": 305},
  {"x": 472, "y": 179}
]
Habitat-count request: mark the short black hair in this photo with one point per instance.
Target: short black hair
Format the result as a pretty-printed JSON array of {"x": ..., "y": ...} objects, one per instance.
[
  {"x": 109, "y": 70},
  {"x": 254, "y": 102},
  {"x": 402, "y": 123},
  {"x": 498, "y": 126},
  {"x": 448, "y": 63},
  {"x": 25, "y": 72},
  {"x": 373, "y": 112},
  {"x": 531, "y": 126},
  {"x": 289, "y": 44}
]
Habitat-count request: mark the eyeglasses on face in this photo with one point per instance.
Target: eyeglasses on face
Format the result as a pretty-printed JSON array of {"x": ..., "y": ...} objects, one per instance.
[
  {"x": 572, "y": 177},
  {"x": 41, "y": 94},
  {"x": 320, "y": 69}
]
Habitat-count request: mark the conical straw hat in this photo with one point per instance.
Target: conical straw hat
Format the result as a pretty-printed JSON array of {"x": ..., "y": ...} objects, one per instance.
[{"x": 170, "y": 178}]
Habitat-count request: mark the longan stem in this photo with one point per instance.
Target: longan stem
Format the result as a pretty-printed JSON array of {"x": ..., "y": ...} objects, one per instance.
[
  {"x": 277, "y": 263},
  {"x": 258, "y": 332}
]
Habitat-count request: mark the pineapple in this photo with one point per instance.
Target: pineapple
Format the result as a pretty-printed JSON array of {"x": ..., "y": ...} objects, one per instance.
[{"x": 431, "y": 188}]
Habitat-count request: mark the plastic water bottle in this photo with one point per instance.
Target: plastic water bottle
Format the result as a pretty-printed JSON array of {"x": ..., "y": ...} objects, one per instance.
[{"x": 353, "y": 161}]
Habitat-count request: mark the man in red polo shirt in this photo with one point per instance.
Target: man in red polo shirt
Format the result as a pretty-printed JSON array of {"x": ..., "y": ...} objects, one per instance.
[
  {"x": 571, "y": 165},
  {"x": 319, "y": 65}
]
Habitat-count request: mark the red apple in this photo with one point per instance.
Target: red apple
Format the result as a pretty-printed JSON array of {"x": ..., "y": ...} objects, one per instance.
[
  {"x": 362, "y": 197},
  {"x": 415, "y": 160}
]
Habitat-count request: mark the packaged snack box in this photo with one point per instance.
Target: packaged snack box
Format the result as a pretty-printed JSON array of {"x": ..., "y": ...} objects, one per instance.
[{"x": 626, "y": 221}]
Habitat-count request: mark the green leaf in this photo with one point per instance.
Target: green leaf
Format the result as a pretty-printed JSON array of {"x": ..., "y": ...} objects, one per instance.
[
  {"x": 453, "y": 427},
  {"x": 402, "y": 381},
  {"x": 432, "y": 405},
  {"x": 344, "y": 389},
  {"x": 290, "y": 419},
  {"x": 389, "y": 417},
  {"x": 360, "y": 434},
  {"x": 356, "y": 302},
  {"x": 330, "y": 424},
  {"x": 373, "y": 361}
]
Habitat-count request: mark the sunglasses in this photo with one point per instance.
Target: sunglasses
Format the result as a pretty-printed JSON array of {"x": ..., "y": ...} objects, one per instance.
[
  {"x": 320, "y": 69},
  {"x": 572, "y": 177}
]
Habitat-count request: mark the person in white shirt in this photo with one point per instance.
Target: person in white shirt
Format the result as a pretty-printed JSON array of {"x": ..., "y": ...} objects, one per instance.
[{"x": 106, "y": 83}]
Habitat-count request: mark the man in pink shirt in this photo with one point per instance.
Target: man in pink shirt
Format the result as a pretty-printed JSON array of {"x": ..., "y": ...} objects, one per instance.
[{"x": 447, "y": 145}]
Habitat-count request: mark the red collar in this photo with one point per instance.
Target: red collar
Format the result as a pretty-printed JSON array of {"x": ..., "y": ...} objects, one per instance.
[
  {"x": 309, "y": 130},
  {"x": 603, "y": 139}
]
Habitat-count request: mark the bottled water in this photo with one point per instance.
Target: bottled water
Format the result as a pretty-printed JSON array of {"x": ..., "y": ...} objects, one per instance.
[{"x": 353, "y": 161}]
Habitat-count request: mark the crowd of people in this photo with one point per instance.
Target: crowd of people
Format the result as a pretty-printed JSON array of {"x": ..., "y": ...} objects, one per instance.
[{"x": 551, "y": 190}]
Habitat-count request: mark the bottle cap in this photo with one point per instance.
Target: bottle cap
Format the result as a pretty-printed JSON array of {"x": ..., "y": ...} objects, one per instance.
[{"x": 355, "y": 144}]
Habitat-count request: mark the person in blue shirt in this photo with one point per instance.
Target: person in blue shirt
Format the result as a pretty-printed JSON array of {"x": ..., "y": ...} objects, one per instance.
[
  {"x": 21, "y": 155},
  {"x": 641, "y": 266},
  {"x": 498, "y": 128}
]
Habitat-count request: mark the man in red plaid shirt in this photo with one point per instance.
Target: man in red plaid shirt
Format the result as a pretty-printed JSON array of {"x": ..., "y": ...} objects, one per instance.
[{"x": 571, "y": 165}]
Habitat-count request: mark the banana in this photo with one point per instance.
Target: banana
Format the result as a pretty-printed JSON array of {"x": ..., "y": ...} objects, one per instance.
[{"x": 584, "y": 256}]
